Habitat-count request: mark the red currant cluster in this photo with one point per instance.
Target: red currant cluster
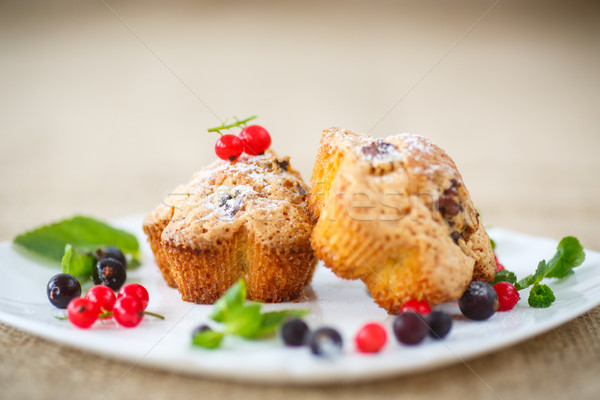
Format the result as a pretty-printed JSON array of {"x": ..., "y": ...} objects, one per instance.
[
  {"x": 100, "y": 302},
  {"x": 253, "y": 140}
]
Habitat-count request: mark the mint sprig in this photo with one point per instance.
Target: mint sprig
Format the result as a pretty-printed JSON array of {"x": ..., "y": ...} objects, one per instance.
[
  {"x": 537, "y": 277},
  {"x": 569, "y": 254},
  {"x": 242, "y": 318},
  {"x": 71, "y": 242},
  {"x": 82, "y": 232},
  {"x": 540, "y": 296}
]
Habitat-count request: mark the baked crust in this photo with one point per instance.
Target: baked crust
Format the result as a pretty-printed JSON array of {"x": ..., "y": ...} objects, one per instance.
[
  {"x": 396, "y": 214},
  {"x": 246, "y": 219}
]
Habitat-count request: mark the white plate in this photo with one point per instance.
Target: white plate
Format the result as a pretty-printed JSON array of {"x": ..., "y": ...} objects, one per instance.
[{"x": 344, "y": 305}]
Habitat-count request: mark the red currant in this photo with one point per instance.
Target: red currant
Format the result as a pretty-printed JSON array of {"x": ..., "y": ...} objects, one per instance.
[
  {"x": 256, "y": 139},
  {"x": 229, "y": 147},
  {"x": 82, "y": 312},
  {"x": 128, "y": 311},
  {"x": 102, "y": 296},
  {"x": 508, "y": 295},
  {"x": 137, "y": 291},
  {"x": 370, "y": 338},
  {"x": 419, "y": 306}
]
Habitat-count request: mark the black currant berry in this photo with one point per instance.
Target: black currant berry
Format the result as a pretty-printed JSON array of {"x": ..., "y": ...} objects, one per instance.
[
  {"x": 294, "y": 332},
  {"x": 479, "y": 301},
  {"x": 410, "y": 328},
  {"x": 109, "y": 272},
  {"x": 326, "y": 342},
  {"x": 439, "y": 323},
  {"x": 111, "y": 252},
  {"x": 61, "y": 289}
]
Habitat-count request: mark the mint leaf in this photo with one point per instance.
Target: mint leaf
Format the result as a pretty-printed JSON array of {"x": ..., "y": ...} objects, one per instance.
[
  {"x": 537, "y": 277},
  {"x": 541, "y": 296},
  {"x": 82, "y": 232},
  {"x": 505, "y": 276},
  {"x": 271, "y": 321},
  {"x": 569, "y": 255},
  {"x": 78, "y": 263},
  {"x": 230, "y": 302},
  {"x": 208, "y": 339},
  {"x": 244, "y": 321},
  {"x": 493, "y": 243}
]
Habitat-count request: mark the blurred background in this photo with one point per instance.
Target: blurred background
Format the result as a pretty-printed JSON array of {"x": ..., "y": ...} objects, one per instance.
[{"x": 104, "y": 105}]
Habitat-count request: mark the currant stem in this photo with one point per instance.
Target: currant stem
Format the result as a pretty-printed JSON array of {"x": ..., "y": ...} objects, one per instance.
[
  {"x": 154, "y": 315},
  {"x": 237, "y": 122},
  {"x": 110, "y": 314}
]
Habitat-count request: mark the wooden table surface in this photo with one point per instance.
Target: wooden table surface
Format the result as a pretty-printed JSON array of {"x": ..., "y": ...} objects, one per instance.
[{"x": 104, "y": 107}]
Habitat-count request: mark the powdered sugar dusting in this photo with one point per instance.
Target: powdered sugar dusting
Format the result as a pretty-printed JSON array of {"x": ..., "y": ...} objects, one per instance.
[{"x": 226, "y": 192}]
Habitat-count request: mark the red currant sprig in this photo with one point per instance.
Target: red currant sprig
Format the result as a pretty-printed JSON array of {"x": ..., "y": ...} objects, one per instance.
[
  {"x": 128, "y": 307},
  {"x": 253, "y": 140}
]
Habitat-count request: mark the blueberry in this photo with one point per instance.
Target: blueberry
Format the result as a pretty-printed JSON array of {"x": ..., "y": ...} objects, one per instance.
[
  {"x": 110, "y": 252},
  {"x": 325, "y": 342},
  {"x": 294, "y": 332},
  {"x": 410, "y": 328},
  {"x": 109, "y": 272},
  {"x": 61, "y": 289},
  {"x": 479, "y": 301},
  {"x": 439, "y": 324}
]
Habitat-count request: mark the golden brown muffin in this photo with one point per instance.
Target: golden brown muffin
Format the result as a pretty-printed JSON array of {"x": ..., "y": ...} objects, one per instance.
[
  {"x": 247, "y": 219},
  {"x": 396, "y": 214}
]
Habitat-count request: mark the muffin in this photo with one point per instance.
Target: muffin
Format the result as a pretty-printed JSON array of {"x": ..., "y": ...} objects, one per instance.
[
  {"x": 245, "y": 219},
  {"x": 396, "y": 214}
]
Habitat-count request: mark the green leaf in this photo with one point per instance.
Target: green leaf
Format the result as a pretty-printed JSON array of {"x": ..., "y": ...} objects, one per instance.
[
  {"x": 541, "y": 296},
  {"x": 271, "y": 321},
  {"x": 81, "y": 232},
  {"x": 78, "y": 263},
  {"x": 537, "y": 277},
  {"x": 244, "y": 321},
  {"x": 493, "y": 243},
  {"x": 208, "y": 339},
  {"x": 505, "y": 276},
  {"x": 230, "y": 302},
  {"x": 569, "y": 255}
]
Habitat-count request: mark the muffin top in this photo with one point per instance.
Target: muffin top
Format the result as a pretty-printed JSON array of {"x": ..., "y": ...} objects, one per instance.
[
  {"x": 397, "y": 174},
  {"x": 401, "y": 194},
  {"x": 261, "y": 195}
]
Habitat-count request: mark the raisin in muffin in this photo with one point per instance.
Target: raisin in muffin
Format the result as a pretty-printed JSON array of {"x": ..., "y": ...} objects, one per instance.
[
  {"x": 396, "y": 214},
  {"x": 247, "y": 219}
]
